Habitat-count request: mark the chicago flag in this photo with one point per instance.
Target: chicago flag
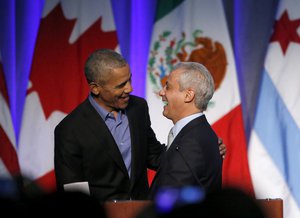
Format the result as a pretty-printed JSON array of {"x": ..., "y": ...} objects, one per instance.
[
  {"x": 196, "y": 31},
  {"x": 69, "y": 31},
  {"x": 274, "y": 151}
]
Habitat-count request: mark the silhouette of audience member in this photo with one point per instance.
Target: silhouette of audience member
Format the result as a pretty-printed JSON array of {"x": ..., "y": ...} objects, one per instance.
[
  {"x": 10, "y": 197},
  {"x": 227, "y": 203},
  {"x": 231, "y": 202},
  {"x": 69, "y": 204},
  {"x": 9, "y": 188},
  {"x": 19, "y": 200}
]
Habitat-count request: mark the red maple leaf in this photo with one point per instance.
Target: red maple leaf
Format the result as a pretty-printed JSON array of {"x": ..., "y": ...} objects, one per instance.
[
  {"x": 285, "y": 31},
  {"x": 57, "y": 73}
]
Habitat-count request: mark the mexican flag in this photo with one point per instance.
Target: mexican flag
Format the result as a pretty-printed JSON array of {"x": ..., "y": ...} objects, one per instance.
[
  {"x": 69, "y": 31},
  {"x": 196, "y": 31}
]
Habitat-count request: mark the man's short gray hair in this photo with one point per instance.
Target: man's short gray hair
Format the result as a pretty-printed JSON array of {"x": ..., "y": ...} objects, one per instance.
[
  {"x": 100, "y": 63},
  {"x": 197, "y": 77}
]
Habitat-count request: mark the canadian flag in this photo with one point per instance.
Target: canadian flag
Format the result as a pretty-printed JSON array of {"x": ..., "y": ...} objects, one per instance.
[
  {"x": 192, "y": 30},
  {"x": 69, "y": 31},
  {"x": 9, "y": 165}
]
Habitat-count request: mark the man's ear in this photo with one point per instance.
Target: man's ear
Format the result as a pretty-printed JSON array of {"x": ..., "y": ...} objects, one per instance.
[
  {"x": 94, "y": 88},
  {"x": 189, "y": 95}
]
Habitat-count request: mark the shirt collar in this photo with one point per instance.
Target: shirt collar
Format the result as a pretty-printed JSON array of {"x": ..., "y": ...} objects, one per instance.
[
  {"x": 184, "y": 121},
  {"x": 101, "y": 111}
]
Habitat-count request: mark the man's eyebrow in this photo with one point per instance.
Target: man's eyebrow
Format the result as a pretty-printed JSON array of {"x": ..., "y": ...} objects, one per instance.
[{"x": 123, "y": 83}]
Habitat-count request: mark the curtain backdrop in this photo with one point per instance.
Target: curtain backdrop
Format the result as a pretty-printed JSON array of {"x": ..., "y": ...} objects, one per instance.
[
  {"x": 250, "y": 25},
  {"x": 22, "y": 22}
]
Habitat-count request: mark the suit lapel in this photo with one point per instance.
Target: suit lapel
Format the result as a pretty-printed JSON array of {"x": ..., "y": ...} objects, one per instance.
[
  {"x": 100, "y": 130},
  {"x": 133, "y": 126},
  {"x": 186, "y": 128}
]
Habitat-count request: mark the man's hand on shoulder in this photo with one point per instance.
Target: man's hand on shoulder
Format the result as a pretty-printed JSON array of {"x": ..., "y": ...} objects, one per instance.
[{"x": 222, "y": 148}]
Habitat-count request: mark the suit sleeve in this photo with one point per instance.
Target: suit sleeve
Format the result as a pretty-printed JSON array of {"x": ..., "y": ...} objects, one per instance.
[
  {"x": 67, "y": 157},
  {"x": 154, "y": 147},
  {"x": 202, "y": 159}
]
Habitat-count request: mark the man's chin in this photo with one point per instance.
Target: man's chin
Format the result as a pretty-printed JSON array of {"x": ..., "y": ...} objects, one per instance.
[
  {"x": 165, "y": 114},
  {"x": 123, "y": 102},
  {"x": 123, "y": 105}
]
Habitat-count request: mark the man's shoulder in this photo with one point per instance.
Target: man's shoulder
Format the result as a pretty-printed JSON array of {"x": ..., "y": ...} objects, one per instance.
[
  {"x": 76, "y": 114},
  {"x": 137, "y": 105},
  {"x": 136, "y": 100},
  {"x": 199, "y": 124}
]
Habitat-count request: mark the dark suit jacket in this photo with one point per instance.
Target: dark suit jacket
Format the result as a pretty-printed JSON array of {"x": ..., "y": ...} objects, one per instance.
[
  {"x": 85, "y": 150},
  {"x": 192, "y": 159}
]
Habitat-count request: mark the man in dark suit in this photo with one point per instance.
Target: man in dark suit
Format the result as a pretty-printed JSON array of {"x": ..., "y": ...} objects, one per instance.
[
  {"x": 107, "y": 141},
  {"x": 192, "y": 158}
]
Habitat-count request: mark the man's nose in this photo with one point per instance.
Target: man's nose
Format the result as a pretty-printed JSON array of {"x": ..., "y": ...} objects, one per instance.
[
  {"x": 128, "y": 88},
  {"x": 161, "y": 92}
]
